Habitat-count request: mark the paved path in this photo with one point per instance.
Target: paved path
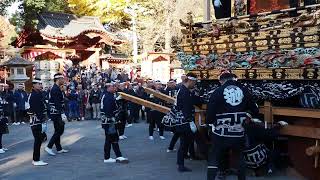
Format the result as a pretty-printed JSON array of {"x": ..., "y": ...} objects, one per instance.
[{"x": 148, "y": 159}]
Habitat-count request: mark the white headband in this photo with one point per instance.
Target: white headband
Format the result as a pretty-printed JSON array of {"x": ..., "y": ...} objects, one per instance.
[
  {"x": 36, "y": 81},
  {"x": 58, "y": 76},
  {"x": 192, "y": 78}
]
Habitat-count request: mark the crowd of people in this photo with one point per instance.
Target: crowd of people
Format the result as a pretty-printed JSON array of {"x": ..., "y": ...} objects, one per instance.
[{"x": 91, "y": 94}]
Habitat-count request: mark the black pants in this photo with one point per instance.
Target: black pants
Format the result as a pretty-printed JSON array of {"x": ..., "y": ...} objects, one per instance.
[
  {"x": 0, "y": 141},
  {"x": 185, "y": 139},
  {"x": 257, "y": 134},
  {"x": 223, "y": 11},
  {"x": 173, "y": 141},
  {"x": 20, "y": 116},
  {"x": 121, "y": 126},
  {"x": 58, "y": 131},
  {"x": 107, "y": 146},
  {"x": 38, "y": 137},
  {"x": 148, "y": 116},
  {"x": 156, "y": 118},
  {"x": 134, "y": 116},
  {"x": 220, "y": 145}
]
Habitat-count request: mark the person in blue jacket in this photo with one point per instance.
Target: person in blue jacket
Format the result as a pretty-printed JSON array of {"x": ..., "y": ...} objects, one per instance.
[
  {"x": 20, "y": 99},
  {"x": 74, "y": 113}
]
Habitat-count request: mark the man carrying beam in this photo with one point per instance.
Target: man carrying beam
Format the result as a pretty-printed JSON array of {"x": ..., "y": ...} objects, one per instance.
[{"x": 185, "y": 103}]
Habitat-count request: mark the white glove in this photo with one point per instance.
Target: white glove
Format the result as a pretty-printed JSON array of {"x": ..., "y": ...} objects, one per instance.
[
  {"x": 143, "y": 108},
  {"x": 217, "y": 3},
  {"x": 151, "y": 96},
  {"x": 14, "y": 105},
  {"x": 44, "y": 127},
  {"x": 256, "y": 120},
  {"x": 119, "y": 97},
  {"x": 64, "y": 117},
  {"x": 193, "y": 127},
  {"x": 283, "y": 123},
  {"x": 212, "y": 127}
]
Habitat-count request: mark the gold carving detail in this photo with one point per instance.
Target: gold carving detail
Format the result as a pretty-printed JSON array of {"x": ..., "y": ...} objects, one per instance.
[
  {"x": 240, "y": 44},
  {"x": 285, "y": 40},
  {"x": 261, "y": 43},
  {"x": 310, "y": 73},
  {"x": 213, "y": 74},
  {"x": 311, "y": 44},
  {"x": 221, "y": 46},
  {"x": 294, "y": 73},
  {"x": 264, "y": 74},
  {"x": 314, "y": 38}
]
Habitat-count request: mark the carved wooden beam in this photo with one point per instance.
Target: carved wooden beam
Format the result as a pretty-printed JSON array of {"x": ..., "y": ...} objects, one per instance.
[{"x": 145, "y": 103}]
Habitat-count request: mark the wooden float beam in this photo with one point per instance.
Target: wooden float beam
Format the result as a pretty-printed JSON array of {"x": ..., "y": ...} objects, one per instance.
[
  {"x": 164, "y": 97},
  {"x": 296, "y": 112},
  {"x": 169, "y": 99},
  {"x": 301, "y": 131},
  {"x": 145, "y": 103}
]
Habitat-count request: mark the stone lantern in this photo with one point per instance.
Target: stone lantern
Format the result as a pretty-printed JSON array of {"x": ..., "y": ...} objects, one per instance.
[{"x": 17, "y": 68}]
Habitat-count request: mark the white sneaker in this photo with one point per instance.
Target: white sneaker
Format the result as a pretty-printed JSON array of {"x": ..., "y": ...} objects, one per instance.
[
  {"x": 49, "y": 151},
  {"x": 151, "y": 137},
  {"x": 129, "y": 125},
  {"x": 122, "y": 160},
  {"x": 63, "y": 151},
  {"x": 169, "y": 151},
  {"x": 121, "y": 138},
  {"x": 39, "y": 163},
  {"x": 17, "y": 123},
  {"x": 162, "y": 138},
  {"x": 2, "y": 151},
  {"x": 14, "y": 123},
  {"x": 124, "y": 136},
  {"x": 23, "y": 123},
  {"x": 110, "y": 160}
]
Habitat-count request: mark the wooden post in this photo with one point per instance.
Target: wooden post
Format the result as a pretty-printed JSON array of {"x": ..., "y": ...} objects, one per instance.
[
  {"x": 268, "y": 117},
  {"x": 207, "y": 12},
  {"x": 316, "y": 159}
]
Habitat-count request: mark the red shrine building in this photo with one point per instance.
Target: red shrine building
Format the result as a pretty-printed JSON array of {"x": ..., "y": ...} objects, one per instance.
[{"x": 61, "y": 40}]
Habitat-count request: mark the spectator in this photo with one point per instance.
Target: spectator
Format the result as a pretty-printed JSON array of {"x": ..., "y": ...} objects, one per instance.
[
  {"x": 95, "y": 97},
  {"x": 9, "y": 107},
  {"x": 20, "y": 99},
  {"x": 73, "y": 105}
]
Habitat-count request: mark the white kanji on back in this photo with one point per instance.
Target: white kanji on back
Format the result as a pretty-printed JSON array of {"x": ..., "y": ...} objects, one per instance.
[{"x": 233, "y": 95}]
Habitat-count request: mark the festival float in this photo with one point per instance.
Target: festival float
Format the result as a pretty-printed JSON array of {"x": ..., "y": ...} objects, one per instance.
[{"x": 277, "y": 57}]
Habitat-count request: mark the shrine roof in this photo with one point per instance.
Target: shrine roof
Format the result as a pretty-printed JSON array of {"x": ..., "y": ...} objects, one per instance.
[
  {"x": 114, "y": 56},
  {"x": 69, "y": 26},
  {"x": 17, "y": 61}
]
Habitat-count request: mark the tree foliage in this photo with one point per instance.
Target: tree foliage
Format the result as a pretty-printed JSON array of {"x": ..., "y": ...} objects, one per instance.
[
  {"x": 29, "y": 10},
  {"x": 4, "y": 4},
  {"x": 109, "y": 11},
  {"x": 7, "y": 32}
]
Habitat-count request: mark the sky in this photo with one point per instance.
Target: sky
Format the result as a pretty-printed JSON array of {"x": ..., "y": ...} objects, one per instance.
[{"x": 13, "y": 8}]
